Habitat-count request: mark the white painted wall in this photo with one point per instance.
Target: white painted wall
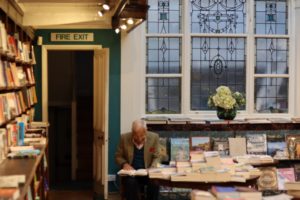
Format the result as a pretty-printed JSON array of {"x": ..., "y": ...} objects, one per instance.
[{"x": 132, "y": 76}]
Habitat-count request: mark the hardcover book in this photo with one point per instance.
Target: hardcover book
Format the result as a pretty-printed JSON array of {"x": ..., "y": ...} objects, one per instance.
[
  {"x": 163, "y": 149},
  {"x": 268, "y": 179},
  {"x": 180, "y": 149},
  {"x": 221, "y": 145},
  {"x": 198, "y": 143},
  {"x": 274, "y": 146},
  {"x": 285, "y": 175},
  {"x": 297, "y": 172},
  {"x": 237, "y": 146},
  {"x": 256, "y": 143}
]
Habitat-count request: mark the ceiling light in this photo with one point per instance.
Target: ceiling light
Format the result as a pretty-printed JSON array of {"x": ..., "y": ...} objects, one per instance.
[
  {"x": 117, "y": 30},
  {"x": 105, "y": 6},
  {"x": 123, "y": 26},
  {"x": 100, "y": 13},
  {"x": 130, "y": 21}
]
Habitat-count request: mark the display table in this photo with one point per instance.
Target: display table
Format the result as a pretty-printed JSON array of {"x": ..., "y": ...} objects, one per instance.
[{"x": 204, "y": 185}]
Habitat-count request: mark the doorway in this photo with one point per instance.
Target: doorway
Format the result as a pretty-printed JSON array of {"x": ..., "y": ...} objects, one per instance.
[
  {"x": 98, "y": 120},
  {"x": 70, "y": 107}
]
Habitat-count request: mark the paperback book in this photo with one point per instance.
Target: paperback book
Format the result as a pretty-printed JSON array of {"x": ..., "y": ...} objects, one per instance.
[{"x": 180, "y": 149}]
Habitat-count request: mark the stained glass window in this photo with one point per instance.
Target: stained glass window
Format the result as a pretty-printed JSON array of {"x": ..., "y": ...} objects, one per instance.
[
  {"x": 215, "y": 62},
  {"x": 163, "y": 95},
  {"x": 271, "y": 17},
  {"x": 271, "y": 95},
  {"x": 164, "y": 16},
  {"x": 271, "y": 56},
  {"x": 218, "y": 16},
  {"x": 163, "y": 55}
]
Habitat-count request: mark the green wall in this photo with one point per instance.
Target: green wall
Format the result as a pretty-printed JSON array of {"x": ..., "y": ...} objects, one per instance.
[{"x": 108, "y": 39}]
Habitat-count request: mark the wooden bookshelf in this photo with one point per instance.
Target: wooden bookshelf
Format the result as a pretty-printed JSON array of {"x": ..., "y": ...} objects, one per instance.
[{"x": 30, "y": 167}]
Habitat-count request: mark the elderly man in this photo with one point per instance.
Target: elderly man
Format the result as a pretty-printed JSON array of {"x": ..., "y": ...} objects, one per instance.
[{"x": 138, "y": 150}]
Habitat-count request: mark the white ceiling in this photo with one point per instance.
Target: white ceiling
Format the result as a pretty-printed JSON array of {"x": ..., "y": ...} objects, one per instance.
[{"x": 63, "y": 14}]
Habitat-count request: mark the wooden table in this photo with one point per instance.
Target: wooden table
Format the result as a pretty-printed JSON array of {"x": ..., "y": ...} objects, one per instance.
[{"x": 204, "y": 185}]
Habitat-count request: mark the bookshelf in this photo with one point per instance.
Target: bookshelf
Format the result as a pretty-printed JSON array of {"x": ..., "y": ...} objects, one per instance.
[{"x": 17, "y": 101}]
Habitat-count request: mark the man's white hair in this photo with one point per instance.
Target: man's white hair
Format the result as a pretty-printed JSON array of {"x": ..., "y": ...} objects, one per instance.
[{"x": 139, "y": 123}]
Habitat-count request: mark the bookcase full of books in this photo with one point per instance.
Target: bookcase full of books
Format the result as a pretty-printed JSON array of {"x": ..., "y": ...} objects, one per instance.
[{"x": 23, "y": 150}]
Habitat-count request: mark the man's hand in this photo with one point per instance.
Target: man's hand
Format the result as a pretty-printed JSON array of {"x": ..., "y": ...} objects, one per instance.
[{"x": 126, "y": 166}]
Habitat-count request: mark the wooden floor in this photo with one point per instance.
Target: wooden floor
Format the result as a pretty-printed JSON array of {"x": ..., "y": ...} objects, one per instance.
[{"x": 77, "y": 195}]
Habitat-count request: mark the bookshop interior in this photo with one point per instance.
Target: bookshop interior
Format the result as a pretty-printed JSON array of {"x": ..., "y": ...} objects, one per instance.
[{"x": 149, "y": 99}]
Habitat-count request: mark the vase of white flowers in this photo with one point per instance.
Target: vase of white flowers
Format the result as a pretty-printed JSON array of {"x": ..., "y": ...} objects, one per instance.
[{"x": 226, "y": 102}]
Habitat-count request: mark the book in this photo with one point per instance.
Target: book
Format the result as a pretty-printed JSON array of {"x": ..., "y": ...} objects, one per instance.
[
  {"x": 9, "y": 193},
  {"x": 292, "y": 185},
  {"x": 11, "y": 181},
  {"x": 285, "y": 175},
  {"x": 200, "y": 143},
  {"x": 201, "y": 195},
  {"x": 156, "y": 119},
  {"x": 274, "y": 146},
  {"x": 163, "y": 153},
  {"x": 221, "y": 145},
  {"x": 237, "y": 146},
  {"x": 297, "y": 171},
  {"x": 268, "y": 179},
  {"x": 256, "y": 143},
  {"x": 180, "y": 149},
  {"x": 139, "y": 172}
]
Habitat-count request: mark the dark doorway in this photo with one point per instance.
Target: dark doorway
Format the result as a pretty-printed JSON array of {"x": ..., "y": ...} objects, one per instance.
[{"x": 70, "y": 107}]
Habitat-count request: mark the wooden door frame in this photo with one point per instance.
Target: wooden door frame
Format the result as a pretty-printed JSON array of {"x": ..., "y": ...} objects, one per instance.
[{"x": 105, "y": 65}]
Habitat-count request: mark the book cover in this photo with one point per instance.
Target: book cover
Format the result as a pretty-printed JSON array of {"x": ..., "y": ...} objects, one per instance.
[
  {"x": 198, "y": 143},
  {"x": 297, "y": 171},
  {"x": 180, "y": 149},
  {"x": 237, "y": 146},
  {"x": 274, "y": 146},
  {"x": 163, "y": 149},
  {"x": 268, "y": 179},
  {"x": 221, "y": 145},
  {"x": 285, "y": 175},
  {"x": 256, "y": 143}
]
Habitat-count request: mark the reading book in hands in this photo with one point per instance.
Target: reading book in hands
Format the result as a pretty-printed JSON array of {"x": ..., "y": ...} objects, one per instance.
[{"x": 139, "y": 172}]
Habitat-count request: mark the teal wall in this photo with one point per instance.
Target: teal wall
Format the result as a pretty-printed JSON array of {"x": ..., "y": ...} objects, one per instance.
[{"x": 108, "y": 39}]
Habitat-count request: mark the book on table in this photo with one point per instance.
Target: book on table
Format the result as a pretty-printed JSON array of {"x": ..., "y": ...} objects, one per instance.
[
  {"x": 138, "y": 172},
  {"x": 180, "y": 149}
]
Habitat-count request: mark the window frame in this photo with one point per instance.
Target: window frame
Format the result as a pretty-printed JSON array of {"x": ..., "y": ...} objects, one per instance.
[{"x": 250, "y": 37}]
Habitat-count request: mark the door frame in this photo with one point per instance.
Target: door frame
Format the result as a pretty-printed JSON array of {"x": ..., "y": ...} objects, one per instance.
[{"x": 104, "y": 64}]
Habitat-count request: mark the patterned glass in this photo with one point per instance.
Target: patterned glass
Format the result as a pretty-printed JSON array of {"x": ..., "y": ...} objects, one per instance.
[
  {"x": 271, "y": 56},
  {"x": 164, "y": 16},
  {"x": 163, "y": 55},
  {"x": 163, "y": 95},
  {"x": 215, "y": 62},
  {"x": 271, "y": 17},
  {"x": 271, "y": 95},
  {"x": 218, "y": 16}
]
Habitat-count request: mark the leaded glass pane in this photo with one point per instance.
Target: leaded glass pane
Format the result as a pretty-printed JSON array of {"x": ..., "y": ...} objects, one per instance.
[
  {"x": 271, "y": 95},
  {"x": 218, "y": 16},
  {"x": 215, "y": 62},
  {"x": 271, "y": 56},
  {"x": 164, "y": 16},
  {"x": 163, "y": 95},
  {"x": 163, "y": 55},
  {"x": 271, "y": 17}
]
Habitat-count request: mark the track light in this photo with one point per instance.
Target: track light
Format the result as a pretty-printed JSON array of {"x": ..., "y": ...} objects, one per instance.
[
  {"x": 105, "y": 6},
  {"x": 130, "y": 21},
  {"x": 123, "y": 27},
  {"x": 100, "y": 13}
]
